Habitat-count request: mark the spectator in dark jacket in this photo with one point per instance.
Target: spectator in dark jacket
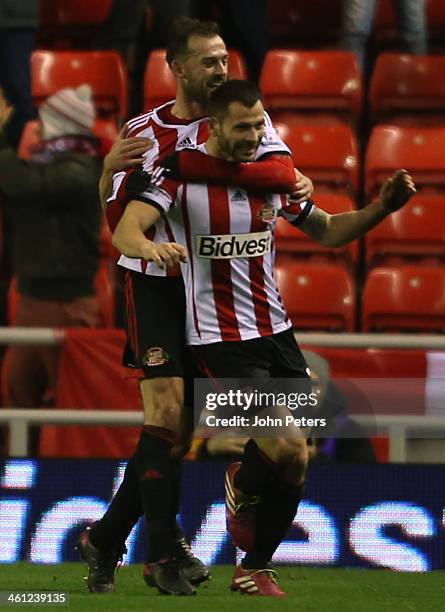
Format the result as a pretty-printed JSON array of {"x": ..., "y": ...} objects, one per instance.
[
  {"x": 53, "y": 202},
  {"x": 18, "y": 26}
]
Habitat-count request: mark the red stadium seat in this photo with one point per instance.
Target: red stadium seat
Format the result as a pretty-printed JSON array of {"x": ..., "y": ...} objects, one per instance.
[
  {"x": 237, "y": 65},
  {"x": 418, "y": 229},
  {"x": 404, "y": 298},
  {"x": 408, "y": 87},
  {"x": 312, "y": 82},
  {"x": 289, "y": 239},
  {"x": 329, "y": 155},
  {"x": 419, "y": 150},
  {"x": 73, "y": 12},
  {"x": 159, "y": 82},
  {"x": 316, "y": 296},
  {"x": 103, "y": 70}
]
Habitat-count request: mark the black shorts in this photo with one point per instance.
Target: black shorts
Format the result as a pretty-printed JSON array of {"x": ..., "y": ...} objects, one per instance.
[
  {"x": 277, "y": 356},
  {"x": 268, "y": 364},
  {"x": 155, "y": 324}
]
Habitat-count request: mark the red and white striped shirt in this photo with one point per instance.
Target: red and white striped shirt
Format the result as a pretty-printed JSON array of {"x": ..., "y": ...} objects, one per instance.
[
  {"x": 169, "y": 134},
  {"x": 229, "y": 234}
]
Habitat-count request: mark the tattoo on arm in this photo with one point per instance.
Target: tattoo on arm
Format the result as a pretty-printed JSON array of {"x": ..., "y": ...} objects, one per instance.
[{"x": 316, "y": 224}]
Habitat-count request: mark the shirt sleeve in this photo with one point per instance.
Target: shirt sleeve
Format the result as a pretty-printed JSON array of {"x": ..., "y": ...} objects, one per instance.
[
  {"x": 271, "y": 142},
  {"x": 296, "y": 213},
  {"x": 161, "y": 197}
]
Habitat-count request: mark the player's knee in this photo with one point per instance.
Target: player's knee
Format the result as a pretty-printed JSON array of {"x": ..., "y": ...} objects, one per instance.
[
  {"x": 290, "y": 451},
  {"x": 295, "y": 471},
  {"x": 163, "y": 406},
  {"x": 300, "y": 450}
]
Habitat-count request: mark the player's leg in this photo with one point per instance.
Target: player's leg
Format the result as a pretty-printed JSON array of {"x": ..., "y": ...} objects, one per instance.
[
  {"x": 281, "y": 496},
  {"x": 155, "y": 332},
  {"x": 269, "y": 466},
  {"x": 162, "y": 399},
  {"x": 261, "y": 463},
  {"x": 190, "y": 565}
]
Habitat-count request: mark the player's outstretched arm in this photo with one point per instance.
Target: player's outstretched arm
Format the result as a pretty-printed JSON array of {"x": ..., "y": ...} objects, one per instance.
[
  {"x": 130, "y": 240},
  {"x": 340, "y": 229}
]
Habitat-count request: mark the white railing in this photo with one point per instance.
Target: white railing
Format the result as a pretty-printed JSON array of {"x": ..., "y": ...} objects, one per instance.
[
  {"x": 399, "y": 428},
  {"x": 43, "y": 335},
  {"x": 20, "y": 419}
]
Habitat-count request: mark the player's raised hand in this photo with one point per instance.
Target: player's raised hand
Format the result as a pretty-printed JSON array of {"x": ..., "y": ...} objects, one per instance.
[
  {"x": 303, "y": 188},
  {"x": 165, "y": 254},
  {"x": 126, "y": 152},
  {"x": 397, "y": 190}
]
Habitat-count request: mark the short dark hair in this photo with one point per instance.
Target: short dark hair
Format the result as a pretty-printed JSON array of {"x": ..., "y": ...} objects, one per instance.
[
  {"x": 182, "y": 29},
  {"x": 233, "y": 90}
]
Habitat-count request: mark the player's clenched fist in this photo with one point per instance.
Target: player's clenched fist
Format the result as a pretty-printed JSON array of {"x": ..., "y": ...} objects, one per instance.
[
  {"x": 164, "y": 254},
  {"x": 397, "y": 190}
]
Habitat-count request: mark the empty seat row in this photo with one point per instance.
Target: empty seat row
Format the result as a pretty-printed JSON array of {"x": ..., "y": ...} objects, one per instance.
[
  {"x": 415, "y": 233},
  {"x": 395, "y": 298},
  {"x": 326, "y": 86},
  {"x": 103, "y": 70},
  {"x": 323, "y": 297},
  {"x": 322, "y": 87},
  {"x": 330, "y": 155}
]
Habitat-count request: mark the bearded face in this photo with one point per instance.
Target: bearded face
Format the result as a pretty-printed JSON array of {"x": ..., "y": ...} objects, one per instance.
[
  {"x": 203, "y": 69},
  {"x": 239, "y": 131}
]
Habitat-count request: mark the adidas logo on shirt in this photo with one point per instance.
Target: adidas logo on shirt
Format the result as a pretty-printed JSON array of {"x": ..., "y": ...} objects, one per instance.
[
  {"x": 238, "y": 196},
  {"x": 185, "y": 143}
]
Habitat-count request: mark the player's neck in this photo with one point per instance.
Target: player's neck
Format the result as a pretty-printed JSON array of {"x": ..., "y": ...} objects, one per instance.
[{"x": 183, "y": 108}]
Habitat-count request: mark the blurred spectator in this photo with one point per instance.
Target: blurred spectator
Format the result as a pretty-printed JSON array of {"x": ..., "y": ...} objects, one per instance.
[
  {"x": 358, "y": 17},
  {"x": 126, "y": 32},
  {"x": 54, "y": 206},
  {"x": 18, "y": 25},
  {"x": 244, "y": 27},
  {"x": 121, "y": 29},
  {"x": 351, "y": 444},
  {"x": 164, "y": 14}
]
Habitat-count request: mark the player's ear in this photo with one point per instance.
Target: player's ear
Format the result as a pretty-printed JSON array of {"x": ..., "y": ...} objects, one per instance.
[
  {"x": 177, "y": 69},
  {"x": 213, "y": 126}
]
